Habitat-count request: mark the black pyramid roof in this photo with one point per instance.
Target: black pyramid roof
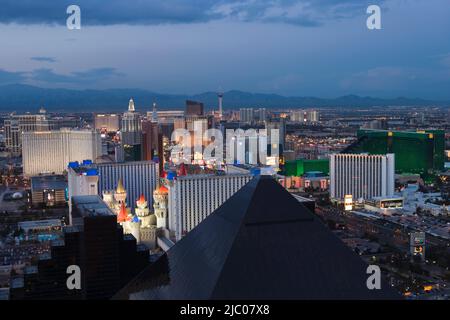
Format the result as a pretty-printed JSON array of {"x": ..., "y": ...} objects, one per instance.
[{"x": 260, "y": 244}]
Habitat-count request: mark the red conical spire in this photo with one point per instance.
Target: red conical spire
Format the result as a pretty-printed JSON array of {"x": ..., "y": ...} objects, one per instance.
[
  {"x": 123, "y": 214},
  {"x": 163, "y": 189},
  {"x": 141, "y": 199}
]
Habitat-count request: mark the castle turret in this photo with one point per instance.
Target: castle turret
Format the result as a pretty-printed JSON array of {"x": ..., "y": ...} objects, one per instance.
[
  {"x": 121, "y": 194},
  {"x": 108, "y": 197},
  {"x": 160, "y": 197},
  {"x": 134, "y": 226},
  {"x": 141, "y": 206},
  {"x": 142, "y": 211}
]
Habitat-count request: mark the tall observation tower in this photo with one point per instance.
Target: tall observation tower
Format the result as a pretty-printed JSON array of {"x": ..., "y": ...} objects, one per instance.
[
  {"x": 154, "y": 113},
  {"x": 220, "y": 96}
]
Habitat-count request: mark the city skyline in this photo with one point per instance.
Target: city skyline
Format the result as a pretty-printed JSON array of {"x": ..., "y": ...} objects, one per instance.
[{"x": 251, "y": 150}]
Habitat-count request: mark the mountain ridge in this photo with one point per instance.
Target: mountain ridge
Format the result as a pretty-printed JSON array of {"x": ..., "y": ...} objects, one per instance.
[{"x": 21, "y": 98}]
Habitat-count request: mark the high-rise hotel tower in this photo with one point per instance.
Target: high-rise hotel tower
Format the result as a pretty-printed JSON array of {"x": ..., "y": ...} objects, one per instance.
[
  {"x": 131, "y": 133},
  {"x": 51, "y": 151},
  {"x": 193, "y": 197},
  {"x": 361, "y": 176}
]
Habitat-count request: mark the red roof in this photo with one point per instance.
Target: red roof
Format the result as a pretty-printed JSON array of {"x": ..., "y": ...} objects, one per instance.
[
  {"x": 163, "y": 189},
  {"x": 123, "y": 214},
  {"x": 141, "y": 199}
]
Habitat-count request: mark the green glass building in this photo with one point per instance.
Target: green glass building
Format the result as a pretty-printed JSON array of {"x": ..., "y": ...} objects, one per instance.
[
  {"x": 420, "y": 152},
  {"x": 299, "y": 167}
]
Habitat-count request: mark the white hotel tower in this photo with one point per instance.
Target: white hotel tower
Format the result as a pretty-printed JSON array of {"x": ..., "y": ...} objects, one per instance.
[
  {"x": 362, "y": 176},
  {"x": 51, "y": 151},
  {"x": 193, "y": 197}
]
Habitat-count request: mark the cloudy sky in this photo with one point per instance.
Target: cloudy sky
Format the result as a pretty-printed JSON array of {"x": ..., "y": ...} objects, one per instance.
[{"x": 291, "y": 47}]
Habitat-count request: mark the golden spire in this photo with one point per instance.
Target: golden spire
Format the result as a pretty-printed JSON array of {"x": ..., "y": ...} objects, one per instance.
[{"x": 120, "y": 188}]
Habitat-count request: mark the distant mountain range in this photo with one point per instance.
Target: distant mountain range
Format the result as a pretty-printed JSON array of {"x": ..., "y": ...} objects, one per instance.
[{"x": 21, "y": 98}]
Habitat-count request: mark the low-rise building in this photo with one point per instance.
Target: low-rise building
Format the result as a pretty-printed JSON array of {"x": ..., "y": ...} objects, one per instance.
[{"x": 48, "y": 190}]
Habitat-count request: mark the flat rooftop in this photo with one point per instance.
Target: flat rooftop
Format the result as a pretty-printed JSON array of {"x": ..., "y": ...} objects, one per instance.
[
  {"x": 48, "y": 182},
  {"x": 126, "y": 164},
  {"x": 212, "y": 175},
  {"x": 89, "y": 170},
  {"x": 90, "y": 206},
  {"x": 387, "y": 198},
  {"x": 40, "y": 224}
]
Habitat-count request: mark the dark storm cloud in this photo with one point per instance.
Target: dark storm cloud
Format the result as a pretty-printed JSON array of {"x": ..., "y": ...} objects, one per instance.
[
  {"x": 7, "y": 77},
  {"x": 44, "y": 59},
  {"x": 77, "y": 77},
  {"x": 138, "y": 12}
]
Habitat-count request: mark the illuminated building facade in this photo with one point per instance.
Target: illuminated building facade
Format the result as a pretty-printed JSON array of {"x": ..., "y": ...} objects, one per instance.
[
  {"x": 415, "y": 152},
  {"x": 299, "y": 167},
  {"x": 246, "y": 114},
  {"x": 192, "y": 198},
  {"x": 15, "y": 125},
  {"x": 131, "y": 133},
  {"x": 361, "y": 176},
  {"x": 279, "y": 125},
  {"x": 308, "y": 116},
  {"x": 107, "y": 122},
  {"x": 252, "y": 115},
  {"x": 51, "y": 151}
]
